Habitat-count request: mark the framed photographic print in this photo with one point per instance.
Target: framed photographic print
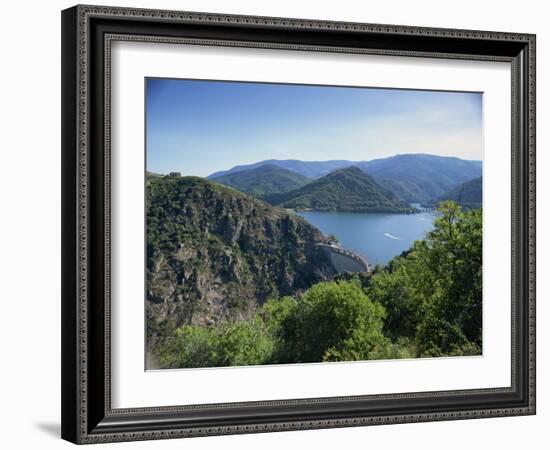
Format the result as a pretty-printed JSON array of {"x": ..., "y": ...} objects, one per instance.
[{"x": 277, "y": 224}]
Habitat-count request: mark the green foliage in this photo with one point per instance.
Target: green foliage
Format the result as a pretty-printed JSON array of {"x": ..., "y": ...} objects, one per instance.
[
  {"x": 348, "y": 189},
  {"x": 394, "y": 289},
  {"x": 229, "y": 344},
  {"x": 263, "y": 180},
  {"x": 433, "y": 294},
  {"x": 332, "y": 237},
  {"x": 276, "y": 311},
  {"x": 333, "y": 321}
]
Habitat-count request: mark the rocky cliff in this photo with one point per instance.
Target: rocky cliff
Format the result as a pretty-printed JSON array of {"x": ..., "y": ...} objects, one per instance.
[{"x": 214, "y": 253}]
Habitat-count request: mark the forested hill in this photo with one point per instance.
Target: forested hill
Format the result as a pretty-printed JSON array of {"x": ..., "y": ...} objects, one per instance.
[
  {"x": 263, "y": 180},
  {"x": 347, "y": 189},
  {"x": 214, "y": 253},
  {"x": 468, "y": 195}
]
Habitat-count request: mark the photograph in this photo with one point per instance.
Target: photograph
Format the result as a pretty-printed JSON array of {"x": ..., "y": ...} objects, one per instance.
[{"x": 294, "y": 223}]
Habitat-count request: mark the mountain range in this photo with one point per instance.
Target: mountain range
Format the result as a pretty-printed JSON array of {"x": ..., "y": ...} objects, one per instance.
[
  {"x": 413, "y": 178},
  {"x": 309, "y": 169}
]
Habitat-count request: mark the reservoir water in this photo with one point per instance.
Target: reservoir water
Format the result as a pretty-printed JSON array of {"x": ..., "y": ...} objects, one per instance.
[{"x": 379, "y": 237}]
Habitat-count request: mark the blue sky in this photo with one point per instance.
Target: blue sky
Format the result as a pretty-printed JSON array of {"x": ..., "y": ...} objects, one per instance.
[{"x": 198, "y": 127}]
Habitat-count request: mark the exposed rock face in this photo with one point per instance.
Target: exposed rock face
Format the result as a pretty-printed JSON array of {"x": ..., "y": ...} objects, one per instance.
[{"x": 214, "y": 253}]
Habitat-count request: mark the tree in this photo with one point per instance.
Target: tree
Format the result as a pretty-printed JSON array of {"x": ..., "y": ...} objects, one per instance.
[
  {"x": 394, "y": 289},
  {"x": 455, "y": 259},
  {"x": 432, "y": 294},
  {"x": 332, "y": 321},
  {"x": 236, "y": 343}
]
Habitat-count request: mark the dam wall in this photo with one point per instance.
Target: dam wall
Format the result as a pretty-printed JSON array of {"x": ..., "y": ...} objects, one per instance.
[{"x": 344, "y": 260}]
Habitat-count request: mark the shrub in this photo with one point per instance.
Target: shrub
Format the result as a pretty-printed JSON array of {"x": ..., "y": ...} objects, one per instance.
[{"x": 229, "y": 344}]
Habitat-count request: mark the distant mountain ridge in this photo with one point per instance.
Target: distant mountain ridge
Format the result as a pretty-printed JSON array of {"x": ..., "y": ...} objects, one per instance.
[
  {"x": 263, "y": 180},
  {"x": 469, "y": 195},
  {"x": 421, "y": 177},
  {"x": 309, "y": 169},
  {"x": 411, "y": 177},
  {"x": 348, "y": 189}
]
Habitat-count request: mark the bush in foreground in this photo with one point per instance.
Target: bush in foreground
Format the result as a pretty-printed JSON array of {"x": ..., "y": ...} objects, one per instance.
[{"x": 332, "y": 321}]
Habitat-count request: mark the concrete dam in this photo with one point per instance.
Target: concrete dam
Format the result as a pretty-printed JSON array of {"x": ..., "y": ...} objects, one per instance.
[{"x": 344, "y": 260}]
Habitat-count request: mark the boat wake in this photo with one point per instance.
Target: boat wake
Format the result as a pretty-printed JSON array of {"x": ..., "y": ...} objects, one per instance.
[{"x": 391, "y": 236}]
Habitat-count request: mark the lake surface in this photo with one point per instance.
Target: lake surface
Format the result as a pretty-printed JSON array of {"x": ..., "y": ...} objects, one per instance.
[{"x": 378, "y": 237}]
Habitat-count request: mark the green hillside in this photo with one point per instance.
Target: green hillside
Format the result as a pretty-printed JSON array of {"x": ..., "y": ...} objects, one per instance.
[
  {"x": 263, "y": 180},
  {"x": 347, "y": 189}
]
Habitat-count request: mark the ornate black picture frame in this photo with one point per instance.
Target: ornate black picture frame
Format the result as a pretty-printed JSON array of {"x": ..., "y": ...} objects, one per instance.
[{"x": 87, "y": 33}]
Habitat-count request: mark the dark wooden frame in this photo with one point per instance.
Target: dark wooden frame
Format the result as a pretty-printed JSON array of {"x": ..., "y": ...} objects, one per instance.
[{"x": 87, "y": 31}]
